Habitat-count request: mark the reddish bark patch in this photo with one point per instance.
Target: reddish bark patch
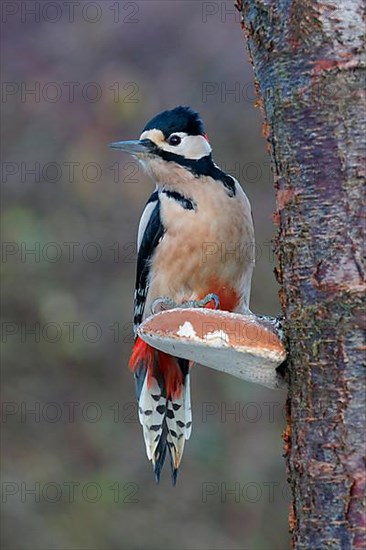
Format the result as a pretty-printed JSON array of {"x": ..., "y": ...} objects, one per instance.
[
  {"x": 330, "y": 64},
  {"x": 284, "y": 196}
]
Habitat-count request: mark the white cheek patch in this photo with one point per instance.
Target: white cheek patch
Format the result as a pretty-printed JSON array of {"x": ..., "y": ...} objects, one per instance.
[{"x": 191, "y": 147}]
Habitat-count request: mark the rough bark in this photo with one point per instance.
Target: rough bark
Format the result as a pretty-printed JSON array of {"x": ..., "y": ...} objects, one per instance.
[{"x": 308, "y": 68}]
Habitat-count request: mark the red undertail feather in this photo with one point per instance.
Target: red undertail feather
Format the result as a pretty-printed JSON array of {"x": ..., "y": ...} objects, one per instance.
[
  {"x": 141, "y": 353},
  {"x": 168, "y": 367},
  {"x": 172, "y": 374}
]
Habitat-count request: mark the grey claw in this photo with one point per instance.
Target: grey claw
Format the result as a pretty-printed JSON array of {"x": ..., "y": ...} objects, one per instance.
[
  {"x": 207, "y": 299},
  {"x": 202, "y": 303},
  {"x": 160, "y": 303},
  {"x": 164, "y": 303}
]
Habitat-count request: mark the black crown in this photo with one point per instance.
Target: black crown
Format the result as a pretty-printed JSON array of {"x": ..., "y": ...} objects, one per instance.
[{"x": 180, "y": 119}]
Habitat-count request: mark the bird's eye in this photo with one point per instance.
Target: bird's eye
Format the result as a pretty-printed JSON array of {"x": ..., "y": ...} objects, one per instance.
[{"x": 174, "y": 140}]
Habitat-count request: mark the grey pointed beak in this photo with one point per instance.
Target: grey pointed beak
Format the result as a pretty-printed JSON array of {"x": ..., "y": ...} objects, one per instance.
[{"x": 135, "y": 147}]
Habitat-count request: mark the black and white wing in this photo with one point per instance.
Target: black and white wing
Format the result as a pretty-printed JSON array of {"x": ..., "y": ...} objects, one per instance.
[{"x": 150, "y": 232}]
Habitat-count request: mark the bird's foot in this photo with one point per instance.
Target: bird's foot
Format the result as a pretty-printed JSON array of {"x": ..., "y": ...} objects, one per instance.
[
  {"x": 161, "y": 304},
  {"x": 164, "y": 302},
  {"x": 204, "y": 302}
]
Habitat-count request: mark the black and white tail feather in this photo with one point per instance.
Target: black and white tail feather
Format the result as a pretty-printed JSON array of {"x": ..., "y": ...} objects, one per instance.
[{"x": 166, "y": 422}]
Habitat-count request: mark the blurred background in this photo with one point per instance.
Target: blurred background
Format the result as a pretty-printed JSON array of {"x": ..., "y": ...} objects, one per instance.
[{"x": 75, "y": 77}]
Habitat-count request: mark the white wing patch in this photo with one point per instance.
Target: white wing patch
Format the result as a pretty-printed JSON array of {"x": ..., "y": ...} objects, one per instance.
[{"x": 145, "y": 218}]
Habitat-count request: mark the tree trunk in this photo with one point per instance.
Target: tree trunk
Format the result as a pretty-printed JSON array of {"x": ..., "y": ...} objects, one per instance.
[{"x": 307, "y": 62}]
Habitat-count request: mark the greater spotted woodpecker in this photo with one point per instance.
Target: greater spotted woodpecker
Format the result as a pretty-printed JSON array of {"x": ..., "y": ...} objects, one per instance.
[{"x": 191, "y": 226}]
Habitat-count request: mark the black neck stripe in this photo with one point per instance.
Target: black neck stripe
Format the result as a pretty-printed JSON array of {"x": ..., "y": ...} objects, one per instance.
[
  {"x": 201, "y": 167},
  {"x": 153, "y": 198},
  {"x": 187, "y": 204}
]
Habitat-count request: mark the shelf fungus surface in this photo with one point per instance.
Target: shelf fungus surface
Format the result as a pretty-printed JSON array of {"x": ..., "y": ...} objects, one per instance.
[{"x": 245, "y": 346}]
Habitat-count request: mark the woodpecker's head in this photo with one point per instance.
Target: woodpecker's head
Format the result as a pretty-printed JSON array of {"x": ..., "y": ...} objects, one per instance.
[{"x": 172, "y": 140}]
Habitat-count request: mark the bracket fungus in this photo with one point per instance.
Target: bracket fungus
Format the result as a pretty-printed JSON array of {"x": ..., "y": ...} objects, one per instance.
[{"x": 246, "y": 346}]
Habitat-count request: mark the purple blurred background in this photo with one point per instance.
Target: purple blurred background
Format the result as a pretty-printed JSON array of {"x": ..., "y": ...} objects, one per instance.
[{"x": 76, "y": 76}]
